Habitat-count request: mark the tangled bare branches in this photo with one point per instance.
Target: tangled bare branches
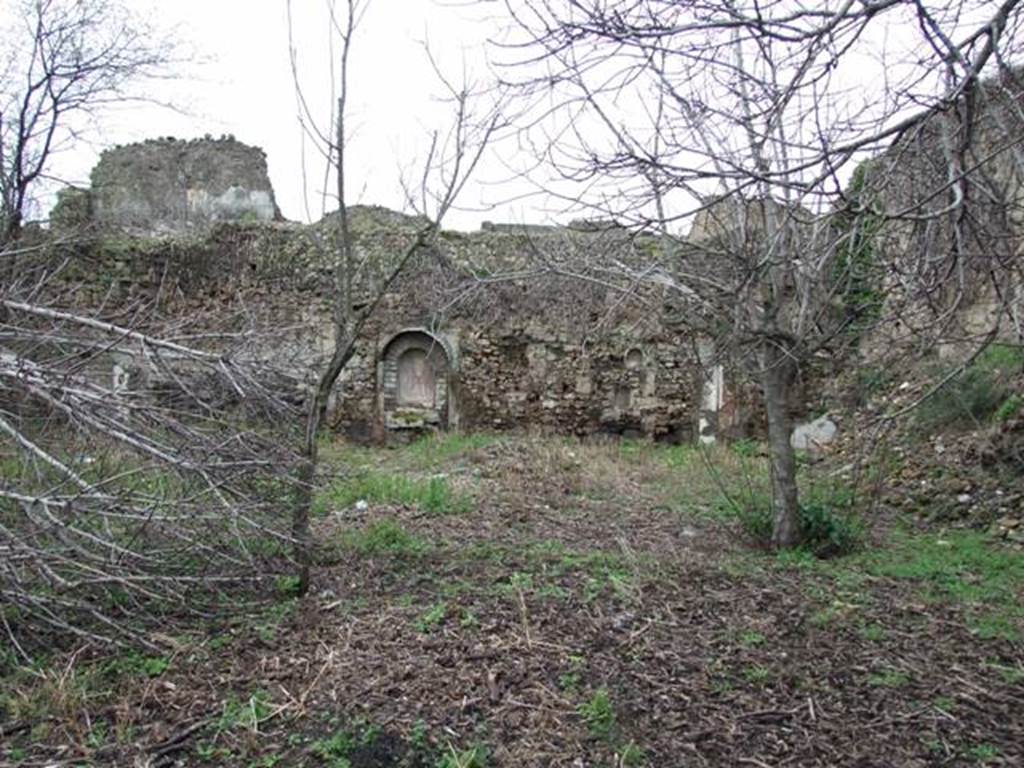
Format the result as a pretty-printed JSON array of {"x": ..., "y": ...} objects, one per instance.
[{"x": 143, "y": 471}]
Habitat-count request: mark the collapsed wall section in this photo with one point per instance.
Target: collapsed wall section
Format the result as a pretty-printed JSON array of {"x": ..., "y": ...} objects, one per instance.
[{"x": 176, "y": 186}]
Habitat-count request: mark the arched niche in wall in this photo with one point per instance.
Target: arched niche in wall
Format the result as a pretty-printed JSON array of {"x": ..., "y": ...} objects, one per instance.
[
  {"x": 634, "y": 359},
  {"x": 415, "y": 372}
]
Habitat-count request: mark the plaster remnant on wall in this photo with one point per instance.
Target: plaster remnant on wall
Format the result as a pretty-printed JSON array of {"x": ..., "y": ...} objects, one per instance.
[
  {"x": 712, "y": 400},
  {"x": 235, "y": 204}
]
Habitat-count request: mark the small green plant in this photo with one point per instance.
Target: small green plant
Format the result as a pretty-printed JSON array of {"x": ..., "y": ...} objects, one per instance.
[
  {"x": 335, "y": 749},
  {"x": 432, "y": 617},
  {"x": 569, "y": 681},
  {"x": 272, "y": 618},
  {"x": 746, "y": 448},
  {"x": 1010, "y": 408},
  {"x": 338, "y": 749},
  {"x": 889, "y": 678},
  {"x": 418, "y": 736},
  {"x": 945, "y": 703},
  {"x": 208, "y": 752},
  {"x": 981, "y": 753},
  {"x": 288, "y": 586},
  {"x": 1010, "y": 674},
  {"x": 474, "y": 757},
  {"x": 829, "y": 528},
  {"x": 135, "y": 664},
  {"x": 98, "y": 734},
  {"x": 751, "y": 639},
  {"x": 874, "y": 632},
  {"x": 244, "y": 714},
  {"x": 756, "y": 674},
  {"x": 598, "y": 715},
  {"x": 631, "y": 755}
]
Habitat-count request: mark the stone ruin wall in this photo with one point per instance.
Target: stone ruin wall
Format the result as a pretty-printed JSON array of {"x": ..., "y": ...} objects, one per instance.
[
  {"x": 533, "y": 370},
  {"x": 536, "y": 351}
]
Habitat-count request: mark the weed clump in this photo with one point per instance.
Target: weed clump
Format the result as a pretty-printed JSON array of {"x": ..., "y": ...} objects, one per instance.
[
  {"x": 984, "y": 392},
  {"x": 828, "y": 523},
  {"x": 598, "y": 715}
]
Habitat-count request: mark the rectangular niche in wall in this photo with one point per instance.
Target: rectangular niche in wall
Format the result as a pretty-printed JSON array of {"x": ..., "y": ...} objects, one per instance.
[{"x": 416, "y": 386}]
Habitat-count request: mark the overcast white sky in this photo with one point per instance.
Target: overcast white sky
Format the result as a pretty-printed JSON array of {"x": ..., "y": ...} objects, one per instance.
[
  {"x": 240, "y": 82},
  {"x": 245, "y": 88}
]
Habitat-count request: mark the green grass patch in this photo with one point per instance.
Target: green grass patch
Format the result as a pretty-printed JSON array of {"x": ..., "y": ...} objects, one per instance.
[
  {"x": 751, "y": 639},
  {"x": 981, "y": 753},
  {"x": 432, "y": 617},
  {"x": 438, "y": 449},
  {"x": 889, "y": 678},
  {"x": 962, "y": 567},
  {"x": 671, "y": 456},
  {"x": 433, "y": 495},
  {"x": 755, "y": 674}
]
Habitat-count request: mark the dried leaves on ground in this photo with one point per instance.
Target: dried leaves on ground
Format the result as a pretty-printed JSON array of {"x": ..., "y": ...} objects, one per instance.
[{"x": 546, "y": 603}]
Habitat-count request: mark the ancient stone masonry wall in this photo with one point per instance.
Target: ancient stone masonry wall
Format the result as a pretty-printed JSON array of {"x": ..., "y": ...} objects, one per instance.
[
  {"x": 555, "y": 354},
  {"x": 514, "y": 348},
  {"x": 175, "y": 186}
]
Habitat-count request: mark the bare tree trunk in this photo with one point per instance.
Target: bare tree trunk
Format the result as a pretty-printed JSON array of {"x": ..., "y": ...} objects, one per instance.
[
  {"x": 776, "y": 378},
  {"x": 310, "y": 457}
]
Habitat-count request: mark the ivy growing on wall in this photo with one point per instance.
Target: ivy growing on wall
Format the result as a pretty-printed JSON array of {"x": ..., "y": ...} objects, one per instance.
[{"x": 856, "y": 276}]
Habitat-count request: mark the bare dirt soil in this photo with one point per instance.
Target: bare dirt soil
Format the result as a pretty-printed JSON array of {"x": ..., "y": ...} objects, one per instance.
[{"x": 547, "y": 603}]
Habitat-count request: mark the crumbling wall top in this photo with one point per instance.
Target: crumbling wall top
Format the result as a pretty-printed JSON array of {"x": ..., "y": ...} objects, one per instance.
[{"x": 173, "y": 185}]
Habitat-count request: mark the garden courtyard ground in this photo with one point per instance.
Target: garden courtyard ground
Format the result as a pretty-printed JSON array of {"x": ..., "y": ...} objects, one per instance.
[{"x": 521, "y": 601}]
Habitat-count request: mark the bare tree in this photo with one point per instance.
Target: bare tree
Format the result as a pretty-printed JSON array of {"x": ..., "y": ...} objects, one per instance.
[
  {"x": 66, "y": 61},
  {"x": 745, "y": 120},
  {"x": 357, "y": 290}
]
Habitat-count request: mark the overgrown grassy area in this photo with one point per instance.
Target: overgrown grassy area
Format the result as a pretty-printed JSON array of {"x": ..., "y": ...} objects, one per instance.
[{"x": 563, "y": 603}]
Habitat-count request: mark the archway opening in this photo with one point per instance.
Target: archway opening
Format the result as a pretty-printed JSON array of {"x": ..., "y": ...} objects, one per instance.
[{"x": 414, "y": 377}]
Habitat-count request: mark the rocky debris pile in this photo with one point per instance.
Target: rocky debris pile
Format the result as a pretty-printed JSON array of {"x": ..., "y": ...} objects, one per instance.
[{"x": 940, "y": 475}]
